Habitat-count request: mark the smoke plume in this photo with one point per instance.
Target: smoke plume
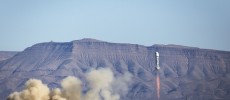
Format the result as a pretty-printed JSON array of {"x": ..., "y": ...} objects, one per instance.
[
  {"x": 101, "y": 85},
  {"x": 34, "y": 90}
]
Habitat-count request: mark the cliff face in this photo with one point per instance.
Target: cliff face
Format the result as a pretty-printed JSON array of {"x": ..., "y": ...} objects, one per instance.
[
  {"x": 186, "y": 73},
  {"x": 6, "y": 54}
]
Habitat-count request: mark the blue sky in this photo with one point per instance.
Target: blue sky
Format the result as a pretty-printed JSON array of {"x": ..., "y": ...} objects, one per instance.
[{"x": 196, "y": 23}]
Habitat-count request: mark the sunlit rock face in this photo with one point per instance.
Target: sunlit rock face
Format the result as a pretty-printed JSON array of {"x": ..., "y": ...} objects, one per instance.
[{"x": 185, "y": 72}]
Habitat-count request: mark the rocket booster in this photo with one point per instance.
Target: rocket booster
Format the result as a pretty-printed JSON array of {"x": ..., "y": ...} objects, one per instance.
[{"x": 157, "y": 55}]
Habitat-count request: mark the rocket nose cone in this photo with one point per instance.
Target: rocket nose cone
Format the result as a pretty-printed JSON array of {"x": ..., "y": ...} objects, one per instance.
[{"x": 157, "y": 54}]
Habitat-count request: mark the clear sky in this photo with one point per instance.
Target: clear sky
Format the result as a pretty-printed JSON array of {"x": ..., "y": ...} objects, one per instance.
[{"x": 196, "y": 23}]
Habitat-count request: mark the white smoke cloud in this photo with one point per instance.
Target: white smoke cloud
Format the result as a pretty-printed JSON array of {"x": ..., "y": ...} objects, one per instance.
[
  {"x": 102, "y": 84},
  {"x": 120, "y": 84},
  {"x": 56, "y": 94},
  {"x": 34, "y": 90},
  {"x": 71, "y": 88}
]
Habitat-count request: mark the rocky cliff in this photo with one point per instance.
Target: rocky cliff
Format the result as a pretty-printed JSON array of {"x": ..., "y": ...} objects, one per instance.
[
  {"x": 186, "y": 73},
  {"x": 6, "y": 54}
]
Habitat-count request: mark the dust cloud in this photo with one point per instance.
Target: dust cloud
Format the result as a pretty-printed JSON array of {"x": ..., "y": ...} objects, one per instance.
[{"x": 102, "y": 84}]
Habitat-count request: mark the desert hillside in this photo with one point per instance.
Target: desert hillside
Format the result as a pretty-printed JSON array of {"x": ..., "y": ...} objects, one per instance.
[{"x": 186, "y": 73}]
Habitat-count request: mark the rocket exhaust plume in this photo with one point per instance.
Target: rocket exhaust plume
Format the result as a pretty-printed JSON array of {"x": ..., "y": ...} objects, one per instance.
[
  {"x": 158, "y": 83},
  {"x": 102, "y": 85}
]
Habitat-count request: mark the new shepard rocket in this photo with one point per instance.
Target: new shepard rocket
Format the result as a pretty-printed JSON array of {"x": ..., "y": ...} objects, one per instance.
[{"x": 157, "y": 60}]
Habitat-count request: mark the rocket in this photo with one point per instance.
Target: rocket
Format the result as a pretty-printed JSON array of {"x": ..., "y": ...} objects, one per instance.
[{"x": 157, "y": 55}]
